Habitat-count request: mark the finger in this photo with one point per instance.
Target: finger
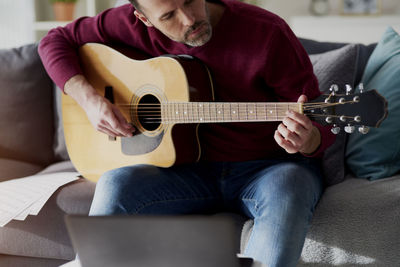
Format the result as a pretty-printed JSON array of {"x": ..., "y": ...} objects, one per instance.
[
  {"x": 292, "y": 137},
  {"x": 294, "y": 126},
  {"x": 302, "y": 99},
  {"x": 107, "y": 131},
  {"x": 280, "y": 140},
  {"x": 117, "y": 130},
  {"x": 294, "y": 117},
  {"x": 129, "y": 128},
  {"x": 114, "y": 124}
]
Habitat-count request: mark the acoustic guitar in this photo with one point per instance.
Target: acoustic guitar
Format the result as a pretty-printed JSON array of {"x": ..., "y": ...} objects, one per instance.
[{"x": 168, "y": 97}]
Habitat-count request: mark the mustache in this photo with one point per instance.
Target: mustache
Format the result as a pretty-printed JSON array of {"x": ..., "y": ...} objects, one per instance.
[{"x": 194, "y": 27}]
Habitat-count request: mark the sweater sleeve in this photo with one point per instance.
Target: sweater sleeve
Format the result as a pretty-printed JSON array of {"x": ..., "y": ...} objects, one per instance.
[
  {"x": 59, "y": 48},
  {"x": 291, "y": 75}
]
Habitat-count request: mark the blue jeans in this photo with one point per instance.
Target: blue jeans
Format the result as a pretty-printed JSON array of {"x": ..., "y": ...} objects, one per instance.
[{"x": 279, "y": 195}]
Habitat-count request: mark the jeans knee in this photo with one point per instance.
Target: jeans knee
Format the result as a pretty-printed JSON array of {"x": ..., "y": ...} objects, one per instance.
[
  {"x": 299, "y": 186},
  {"x": 115, "y": 189},
  {"x": 290, "y": 186}
]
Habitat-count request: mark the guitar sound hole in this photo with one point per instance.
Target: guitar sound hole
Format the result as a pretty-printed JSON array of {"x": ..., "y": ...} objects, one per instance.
[{"x": 149, "y": 112}]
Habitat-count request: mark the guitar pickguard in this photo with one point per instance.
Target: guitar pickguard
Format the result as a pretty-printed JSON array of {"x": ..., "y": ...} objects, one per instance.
[{"x": 140, "y": 144}]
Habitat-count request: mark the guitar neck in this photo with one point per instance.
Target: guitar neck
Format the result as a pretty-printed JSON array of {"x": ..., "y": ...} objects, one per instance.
[{"x": 209, "y": 112}]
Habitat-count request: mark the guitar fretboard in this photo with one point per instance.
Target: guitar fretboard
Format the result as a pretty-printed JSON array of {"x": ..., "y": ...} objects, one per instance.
[{"x": 208, "y": 112}]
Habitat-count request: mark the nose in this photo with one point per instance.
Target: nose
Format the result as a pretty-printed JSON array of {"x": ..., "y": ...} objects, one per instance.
[{"x": 187, "y": 17}]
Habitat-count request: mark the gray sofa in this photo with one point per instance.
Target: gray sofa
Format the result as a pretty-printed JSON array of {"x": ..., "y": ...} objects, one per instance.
[{"x": 355, "y": 223}]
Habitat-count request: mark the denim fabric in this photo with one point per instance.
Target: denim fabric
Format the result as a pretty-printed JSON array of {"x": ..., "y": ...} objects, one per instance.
[{"x": 279, "y": 195}]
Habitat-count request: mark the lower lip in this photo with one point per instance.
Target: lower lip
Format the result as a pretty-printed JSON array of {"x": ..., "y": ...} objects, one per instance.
[{"x": 197, "y": 31}]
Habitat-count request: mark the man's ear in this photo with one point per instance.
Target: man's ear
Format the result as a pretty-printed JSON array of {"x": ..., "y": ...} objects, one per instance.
[{"x": 143, "y": 18}]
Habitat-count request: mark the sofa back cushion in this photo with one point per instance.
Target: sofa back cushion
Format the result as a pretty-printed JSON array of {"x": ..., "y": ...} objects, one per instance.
[
  {"x": 377, "y": 154},
  {"x": 364, "y": 52},
  {"x": 26, "y": 111},
  {"x": 338, "y": 66}
]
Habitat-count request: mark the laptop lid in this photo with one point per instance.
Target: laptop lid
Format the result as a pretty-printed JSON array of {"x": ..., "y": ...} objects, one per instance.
[{"x": 154, "y": 241}]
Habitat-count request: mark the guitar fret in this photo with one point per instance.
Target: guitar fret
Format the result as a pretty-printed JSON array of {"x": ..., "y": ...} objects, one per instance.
[
  {"x": 234, "y": 112},
  {"x": 226, "y": 111},
  {"x": 179, "y": 112},
  {"x": 213, "y": 112},
  {"x": 174, "y": 120},
  {"x": 251, "y": 112},
  {"x": 220, "y": 116},
  {"x": 184, "y": 112},
  {"x": 271, "y": 112},
  {"x": 177, "y": 115},
  {"x": 169, "y": 113},
  {"x": 243, "y": 112},
  {"x": 260, "y": 114},
  {"x": 206, "y": 108},
  {"x": 201, "y": 112}
]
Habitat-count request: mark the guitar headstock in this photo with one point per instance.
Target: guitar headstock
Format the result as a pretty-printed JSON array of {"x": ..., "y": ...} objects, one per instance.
[{"x": 348, "y": 110}]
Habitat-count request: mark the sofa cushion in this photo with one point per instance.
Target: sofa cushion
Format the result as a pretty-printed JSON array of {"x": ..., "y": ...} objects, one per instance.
[
  {"x": 377, "y": 154},
  {"x": 13, "y": 261},
  {"x": 26, "y": 112},
  {"x": 45, "y": 235},
  {"x": 364, "y": 51},
  {"x": 339, "y": 67},
  {"x": 62, "y": 166},
  {"x": 10, "y": 169},
  {"x": 356, "y": 224}
]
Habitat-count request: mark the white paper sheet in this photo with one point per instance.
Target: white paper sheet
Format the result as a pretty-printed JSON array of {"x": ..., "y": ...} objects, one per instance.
[
  {"x": 74, "y": 263},
  {"x": 26, "y": 196}
]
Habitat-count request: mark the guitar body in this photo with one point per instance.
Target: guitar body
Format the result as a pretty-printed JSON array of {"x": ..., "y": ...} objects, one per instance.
[{"x": 134, "y": 85}]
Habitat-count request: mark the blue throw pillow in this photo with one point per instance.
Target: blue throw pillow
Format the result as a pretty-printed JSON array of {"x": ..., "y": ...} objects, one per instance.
[{"x": 377, "y": 154}]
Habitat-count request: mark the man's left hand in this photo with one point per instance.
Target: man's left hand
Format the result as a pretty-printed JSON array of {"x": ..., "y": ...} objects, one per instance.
[{"x": 296, "y": 133}]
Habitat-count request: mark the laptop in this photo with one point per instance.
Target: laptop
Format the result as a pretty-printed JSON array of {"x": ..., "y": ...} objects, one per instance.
[{"x": 155, "y": 241}]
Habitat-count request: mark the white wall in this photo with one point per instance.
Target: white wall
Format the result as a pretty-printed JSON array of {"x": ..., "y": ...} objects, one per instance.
[
  {"x": 16, "y": 17},
  {"x": 289, "y": 8}
]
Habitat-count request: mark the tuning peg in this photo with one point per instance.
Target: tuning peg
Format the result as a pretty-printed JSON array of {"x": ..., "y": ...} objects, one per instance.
[
  {"x": 363, "y": 129},
  {"x": 334, "y": 89},
  {"x": 329, "y": 119},
  {"x": 349, "y": 129},
  {"x": 335, "y": 130},
  {"x": 349, "y": 89},
  {"x": 361, "y": 88}
]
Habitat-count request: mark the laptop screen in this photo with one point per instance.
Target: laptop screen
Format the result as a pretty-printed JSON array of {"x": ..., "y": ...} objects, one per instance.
[{"x": 154, "y": 241}]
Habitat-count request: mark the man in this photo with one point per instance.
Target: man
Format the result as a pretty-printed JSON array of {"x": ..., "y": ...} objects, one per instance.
[{"x": 265, "y": 171}]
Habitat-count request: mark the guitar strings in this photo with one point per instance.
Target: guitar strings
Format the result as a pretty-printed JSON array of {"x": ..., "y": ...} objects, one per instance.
[
  {"x": 151, "y": 112},
  {"x": 278, "y": 105},
  {"x": 158, "y": 120},
  {"x": 225, "y": 104}
]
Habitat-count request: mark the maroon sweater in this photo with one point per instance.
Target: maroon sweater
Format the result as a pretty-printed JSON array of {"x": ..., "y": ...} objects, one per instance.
[{"x": 253, "y": 56}]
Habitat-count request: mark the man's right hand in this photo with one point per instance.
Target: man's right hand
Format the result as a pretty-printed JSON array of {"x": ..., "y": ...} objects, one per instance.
[{"x": 103, "y": 115}]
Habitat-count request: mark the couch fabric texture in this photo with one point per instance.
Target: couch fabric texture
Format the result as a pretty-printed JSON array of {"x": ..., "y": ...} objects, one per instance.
[{"x": 354, "y": 223}]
